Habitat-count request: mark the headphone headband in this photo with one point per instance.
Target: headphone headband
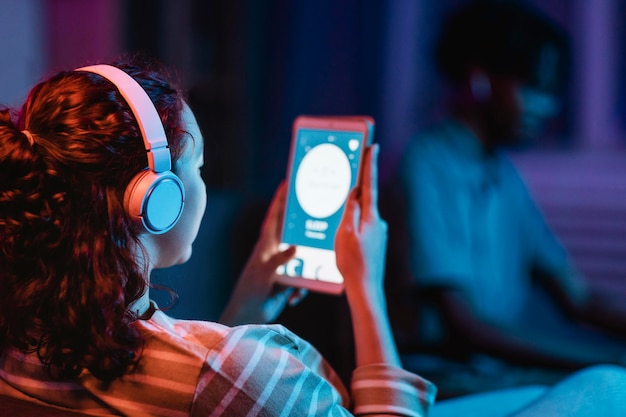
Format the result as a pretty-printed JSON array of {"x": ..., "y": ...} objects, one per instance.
[
  {"x": 155, "y": 197},
  {"x": 152, "y": 132}
]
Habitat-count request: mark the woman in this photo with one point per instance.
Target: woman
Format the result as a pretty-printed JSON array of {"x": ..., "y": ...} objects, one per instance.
[{"x": 77, "y": 327}]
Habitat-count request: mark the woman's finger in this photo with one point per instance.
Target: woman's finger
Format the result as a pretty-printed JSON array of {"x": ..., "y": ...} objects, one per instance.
[
  {"x": 369, "y": 188},
  {"x": 280, "y": 258},
  {"x": 273, "y": 218},
  {"x": 352, "y": 214}
]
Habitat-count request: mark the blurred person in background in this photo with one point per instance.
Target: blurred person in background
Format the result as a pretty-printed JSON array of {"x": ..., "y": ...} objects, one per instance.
[{"x": 477, "y": 242}]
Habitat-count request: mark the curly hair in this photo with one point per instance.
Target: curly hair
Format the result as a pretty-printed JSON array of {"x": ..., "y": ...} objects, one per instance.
[
  {"x": 506, "y": 38},
  {"x": 68, "y": 264}
]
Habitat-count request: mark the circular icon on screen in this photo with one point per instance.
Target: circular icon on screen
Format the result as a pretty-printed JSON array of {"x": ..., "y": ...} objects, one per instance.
[{"x": 323, "y": 180}]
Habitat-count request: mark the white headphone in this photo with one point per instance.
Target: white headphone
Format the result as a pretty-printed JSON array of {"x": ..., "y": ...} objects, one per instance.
[{"x": 155, "y": 197}]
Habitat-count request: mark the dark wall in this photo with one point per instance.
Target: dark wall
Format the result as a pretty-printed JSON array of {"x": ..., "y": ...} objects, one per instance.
[{"x": 254, "y": 66}]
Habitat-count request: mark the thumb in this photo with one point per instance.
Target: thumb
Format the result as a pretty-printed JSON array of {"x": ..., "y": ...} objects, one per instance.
[{"x": 281, "y": 258}]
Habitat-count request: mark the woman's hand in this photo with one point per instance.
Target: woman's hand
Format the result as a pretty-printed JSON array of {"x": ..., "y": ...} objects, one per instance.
[
  {"x": 361, "y": 240},
  {"x": 257, "y": 298},
  {"x": 360, "y": 244}
]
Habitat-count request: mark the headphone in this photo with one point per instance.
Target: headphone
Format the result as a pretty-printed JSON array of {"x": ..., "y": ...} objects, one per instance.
[{"x": 155, "y": 197}]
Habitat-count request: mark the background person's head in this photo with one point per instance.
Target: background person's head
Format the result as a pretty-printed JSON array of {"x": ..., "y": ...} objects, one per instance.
[
  {"x": 69, "y": 270},
  {"x": 507, "y": 64}
]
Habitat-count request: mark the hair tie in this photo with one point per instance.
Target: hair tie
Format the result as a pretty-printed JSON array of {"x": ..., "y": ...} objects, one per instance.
[{"x": 29, "y": 136}]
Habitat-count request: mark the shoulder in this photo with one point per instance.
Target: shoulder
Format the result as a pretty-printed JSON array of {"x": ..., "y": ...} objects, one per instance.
[
  {"x": 161, "y": 328},
  {"x": 204, "y": 337},
  {"x": 422, "y": 150},
  {"x": 437, "y": 155},
  {"x": 258, "y": 369},
  {"x": 269, "y": 342},
  {"x": 508, "y": 172},
  {"x": 431, "y": 139},
  {"x": 442, "y": 145}
]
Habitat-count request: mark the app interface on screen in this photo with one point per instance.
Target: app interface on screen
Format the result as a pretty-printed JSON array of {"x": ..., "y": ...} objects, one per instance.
[{"x": 325, "y": 168}]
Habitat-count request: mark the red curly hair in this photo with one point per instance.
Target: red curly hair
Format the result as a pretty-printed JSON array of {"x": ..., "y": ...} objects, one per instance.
[{"x": 68, "y": 267}]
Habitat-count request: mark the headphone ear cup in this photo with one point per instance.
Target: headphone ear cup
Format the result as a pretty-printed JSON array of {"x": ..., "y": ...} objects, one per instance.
[{"x": 155, "y": 200}]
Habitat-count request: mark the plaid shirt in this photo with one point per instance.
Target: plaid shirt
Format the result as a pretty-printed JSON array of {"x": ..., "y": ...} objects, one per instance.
[{"x": 198, "y": 368}]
